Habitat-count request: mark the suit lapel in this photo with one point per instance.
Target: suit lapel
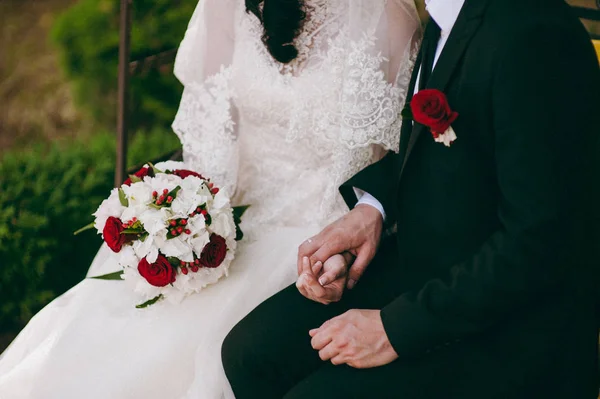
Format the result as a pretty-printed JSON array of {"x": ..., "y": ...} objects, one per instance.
[
  {"x": 407, "y": 126},
  {"x": 465, "y": 27}
]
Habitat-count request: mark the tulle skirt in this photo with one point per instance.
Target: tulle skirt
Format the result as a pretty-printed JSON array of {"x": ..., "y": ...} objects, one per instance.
[{"x": 92, "y": 342}]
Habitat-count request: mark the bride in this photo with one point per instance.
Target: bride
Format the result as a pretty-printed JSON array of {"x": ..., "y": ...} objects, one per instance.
[{"x": 283, "y": 101}]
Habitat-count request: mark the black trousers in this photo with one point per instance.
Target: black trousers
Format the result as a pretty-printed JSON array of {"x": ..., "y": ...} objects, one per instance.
[{"x": 268, "y": 354}]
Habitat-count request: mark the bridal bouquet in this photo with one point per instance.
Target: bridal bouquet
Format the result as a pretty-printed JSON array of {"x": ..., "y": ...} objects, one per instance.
[{"x": 173, "y": 230}]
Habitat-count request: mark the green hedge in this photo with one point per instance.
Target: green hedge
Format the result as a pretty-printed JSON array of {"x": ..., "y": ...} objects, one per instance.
[
  {"x": 87, "y": 37},
  {"x": 45, "y": 195}
]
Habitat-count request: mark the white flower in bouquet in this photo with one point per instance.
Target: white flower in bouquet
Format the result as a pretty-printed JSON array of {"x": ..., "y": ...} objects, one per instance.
[
  {"x": 174, "y": 231},
  {"x": 110, "y": 207}
]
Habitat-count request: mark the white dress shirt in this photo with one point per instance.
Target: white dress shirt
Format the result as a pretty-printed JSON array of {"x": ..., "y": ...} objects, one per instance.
[{"x": 444, "y": 13}]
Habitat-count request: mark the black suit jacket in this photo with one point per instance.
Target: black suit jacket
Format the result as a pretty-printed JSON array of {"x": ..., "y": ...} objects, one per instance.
[{"x": 497, "y": 234}]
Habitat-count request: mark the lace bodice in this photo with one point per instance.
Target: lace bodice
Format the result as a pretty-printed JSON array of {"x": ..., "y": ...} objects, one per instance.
[{"x": 284, "y": 137}]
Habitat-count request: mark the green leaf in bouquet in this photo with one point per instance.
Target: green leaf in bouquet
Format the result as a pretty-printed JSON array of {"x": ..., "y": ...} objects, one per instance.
[
  {"x": 239, "y": 234},
  {"x": 110, "y": 276},
  {"x": 154, "y": 168},
  {"x": 238, "y": 212},
  {"x": 123, "y": 198},
  {"x": 150, "y": 302},
  {"x": 174, "y": 192},
  {"x": 84, "y": 228},
  {"x": 133, "y": 231},
  {"x": 174, "y": 261}
]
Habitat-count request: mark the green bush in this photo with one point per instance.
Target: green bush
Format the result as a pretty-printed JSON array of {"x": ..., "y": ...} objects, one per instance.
[
  {"x": 45, "y": 195},
  {"x": 87, "y": 36}
]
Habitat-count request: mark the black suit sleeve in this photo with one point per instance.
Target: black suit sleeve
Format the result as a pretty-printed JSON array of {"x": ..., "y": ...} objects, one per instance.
[
  {"x": 544, "y": 91},
  {"x": 379, "y": 180}
]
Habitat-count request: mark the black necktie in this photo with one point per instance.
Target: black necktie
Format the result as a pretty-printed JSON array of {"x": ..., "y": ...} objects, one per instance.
[
  {"x": 425, "y": 63},
  {"x": 430, "y": 44}
]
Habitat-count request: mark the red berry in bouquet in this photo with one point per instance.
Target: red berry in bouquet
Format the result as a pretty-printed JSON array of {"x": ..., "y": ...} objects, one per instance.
[
  {"x": 159, "y": 273},
  {"x": 214, "y": 252},
  {"x": 112, "y": 234}
]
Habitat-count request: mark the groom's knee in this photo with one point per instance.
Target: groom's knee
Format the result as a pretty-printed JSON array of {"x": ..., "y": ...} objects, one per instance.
[
  {"x": 249, "y": 344},
  {"x": 235, "y": 349},
  {"x": 255, "y": 342}
]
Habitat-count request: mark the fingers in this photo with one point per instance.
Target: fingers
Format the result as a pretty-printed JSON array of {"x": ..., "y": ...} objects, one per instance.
[
  {"x": 308, "y": 248},
  {"x": 306, "y": 269},
  {"x": 304, "y": 278},
  {"x": 327, "y": 340},
  {"x": 301, "y": 285},
  {"x": 327, "y": 250},
  {"x": 307, "y": 284},
  {"x": 329, "y": 352},
  {"x": 317, "y": 267},
  {"x": 320, "y": 341},
  {"x": 359, "y": 266},
  {"x": 335, "y": 269},
  {"x": 338, "y": 360}
]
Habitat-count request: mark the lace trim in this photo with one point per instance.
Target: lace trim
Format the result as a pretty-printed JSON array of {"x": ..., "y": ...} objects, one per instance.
[
  {"x": 206, "y": 128},
  {"x": 368, "y": 106}
]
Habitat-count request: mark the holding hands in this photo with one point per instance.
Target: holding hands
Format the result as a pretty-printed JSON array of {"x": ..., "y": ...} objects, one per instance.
[
  {"x": 356, "y": 338},
  {"x": 324, "y": 282},
  {"x": 358, "y": 232}
]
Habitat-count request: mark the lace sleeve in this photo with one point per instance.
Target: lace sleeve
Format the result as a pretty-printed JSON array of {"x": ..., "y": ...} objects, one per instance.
[{"x": 206, "y": 119}]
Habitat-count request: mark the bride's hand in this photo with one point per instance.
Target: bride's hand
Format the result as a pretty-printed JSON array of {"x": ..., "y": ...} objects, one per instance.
[
  {"x": 358, "y": 232},
  {"x": 324, "y": 282}
]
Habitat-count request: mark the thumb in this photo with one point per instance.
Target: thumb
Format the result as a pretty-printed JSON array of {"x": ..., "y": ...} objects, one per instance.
[
  {"x": 358, "y": 268},
  {"x": 331, "y": 275}
]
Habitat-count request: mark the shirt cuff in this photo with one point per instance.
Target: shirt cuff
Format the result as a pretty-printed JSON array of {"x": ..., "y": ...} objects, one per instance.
[{"x": 368, "y": 199}]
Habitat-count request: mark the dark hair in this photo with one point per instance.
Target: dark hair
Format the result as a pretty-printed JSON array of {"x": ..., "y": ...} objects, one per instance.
[{"x": 282, "y": 21}]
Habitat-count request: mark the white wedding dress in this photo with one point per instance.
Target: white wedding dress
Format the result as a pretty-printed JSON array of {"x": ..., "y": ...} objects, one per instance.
[{"x": 283, "y": 138}]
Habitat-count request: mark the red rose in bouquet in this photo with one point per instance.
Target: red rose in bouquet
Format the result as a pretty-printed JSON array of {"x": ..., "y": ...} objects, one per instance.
[
  {"x": 112, "y": 234},
  {"x": 145, "y": 171},
  {"x": 430, "y": 108},
  {"x": 183, "y": 173},
  {"x": 159, "y": 273},
  {"x": 214, "y": 252}
]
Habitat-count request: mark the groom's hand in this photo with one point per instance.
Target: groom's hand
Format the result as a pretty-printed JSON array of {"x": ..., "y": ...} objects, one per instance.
[
  {"x": 356, "y": 338},
  {"x": 324, "y": 283},
  {"x": 358, "y": 232}
]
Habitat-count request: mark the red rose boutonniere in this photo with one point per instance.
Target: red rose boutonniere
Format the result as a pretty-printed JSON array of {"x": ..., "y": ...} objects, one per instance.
[{"x": 430, "y": 108}]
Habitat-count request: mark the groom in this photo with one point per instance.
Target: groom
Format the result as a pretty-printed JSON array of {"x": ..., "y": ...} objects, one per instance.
[{"x": 487, "y": 290}]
